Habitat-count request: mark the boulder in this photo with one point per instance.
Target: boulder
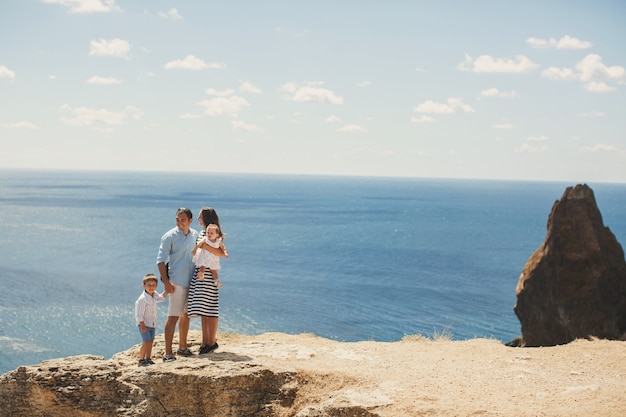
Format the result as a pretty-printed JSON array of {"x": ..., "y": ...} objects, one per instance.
[{"x": 574, "y": 285}]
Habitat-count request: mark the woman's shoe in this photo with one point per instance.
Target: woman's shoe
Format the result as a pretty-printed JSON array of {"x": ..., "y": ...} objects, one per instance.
[{"x": 207, "y": 349}]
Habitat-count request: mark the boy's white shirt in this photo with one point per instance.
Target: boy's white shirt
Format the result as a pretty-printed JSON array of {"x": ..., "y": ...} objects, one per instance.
[{"x": 146, "y": 308}]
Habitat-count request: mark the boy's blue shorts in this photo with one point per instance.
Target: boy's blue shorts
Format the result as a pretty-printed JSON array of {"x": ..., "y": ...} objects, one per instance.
[{"x": 148, "y": 335}]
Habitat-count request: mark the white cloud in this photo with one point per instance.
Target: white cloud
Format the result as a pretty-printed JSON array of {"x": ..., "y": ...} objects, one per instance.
[
  {"x": 239, "y": 125},
  {"x": 191, "y": 62},
  {"x": 503, "y": 126},
  {"x": 352, "y": 129},
  {"x": 554, "y": 73},
  {"x": 172, "y": 14},
  {"x": 596, "y": 87},
  {"x": 20, "y": 125},
  {"x": 288, "y": 87},
  {"x": 453, "y": 105},
  {"x": 488, "y": 64},
  {"x": 533, "y": 144},
  {"x": 301, "y": 33},
  {"x": 87, "y": 6},
  {"x": 592, "y": 69},
  {"x": 566, "y": 42},
  {"x": 494, "y": 92},
  {"x": 600, "y": 147},
  {"x": 248, "y": 87},
  {"x": 190, "y": 116},
  {"x": 103, "y": 80},
  {"x": 422, "y": 119},
  {"x": 539, "y": 43},
  {"x": 364, "y": 84},
  {"x": 6, "y": 73},
  {"x": 219, "y": 106},
  {"x": 224, "y": 93},
  {"x": 115, "y": 47},
  {"x": 316, "y": 95},
  {"x": 297, "y": 34},
  {"x": 529, "y": 148},
  {"x": 84, "y": 116},
  {"x": 593, "y": 114},
  {"x": 332, "y": 119},
  {"x": 133, "y": 112},
  {"x": 310, "y": 93},
  {"x": 151, "y": 127}
]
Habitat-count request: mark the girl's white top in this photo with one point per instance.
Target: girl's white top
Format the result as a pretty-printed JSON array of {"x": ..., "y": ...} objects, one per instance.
[{"x": 205, "y": 258}]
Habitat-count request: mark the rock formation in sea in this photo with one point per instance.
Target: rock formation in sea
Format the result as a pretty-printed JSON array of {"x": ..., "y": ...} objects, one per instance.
[{"x": 574, "y": 285}]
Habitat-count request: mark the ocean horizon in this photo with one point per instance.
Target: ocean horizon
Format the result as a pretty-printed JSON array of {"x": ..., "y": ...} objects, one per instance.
[{"x": 346, "y": 258}]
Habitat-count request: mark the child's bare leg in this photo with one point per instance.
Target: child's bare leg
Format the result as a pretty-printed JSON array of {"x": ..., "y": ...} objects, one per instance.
[
  {"x": 215, "y": 278},
  {"x": 201, "y": 272},
  {"x": 148, "y": 353},
  {"x": 143, "y": 350}
]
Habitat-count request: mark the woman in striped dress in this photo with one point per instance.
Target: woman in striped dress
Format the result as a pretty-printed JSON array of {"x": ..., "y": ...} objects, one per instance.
[{"x": 203, "y": 298}]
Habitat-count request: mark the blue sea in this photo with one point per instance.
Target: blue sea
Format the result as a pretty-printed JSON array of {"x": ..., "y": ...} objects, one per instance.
[{"x": 346, "y": 258}]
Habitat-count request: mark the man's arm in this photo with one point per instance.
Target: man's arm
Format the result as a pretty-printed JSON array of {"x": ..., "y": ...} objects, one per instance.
[
  {"x": 165, "y": 248},
  {"x": 164, "y": 277}
]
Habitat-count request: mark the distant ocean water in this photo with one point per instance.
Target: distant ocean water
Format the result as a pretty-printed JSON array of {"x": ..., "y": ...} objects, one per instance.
[{"x": 347, "y": 258}]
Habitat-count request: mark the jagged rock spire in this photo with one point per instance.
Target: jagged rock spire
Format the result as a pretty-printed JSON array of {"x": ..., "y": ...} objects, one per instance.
[{"x": 574, "y": 285}]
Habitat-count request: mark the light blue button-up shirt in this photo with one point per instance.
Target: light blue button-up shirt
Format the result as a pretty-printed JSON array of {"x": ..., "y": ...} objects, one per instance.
[{"x": 176, "y": 248}]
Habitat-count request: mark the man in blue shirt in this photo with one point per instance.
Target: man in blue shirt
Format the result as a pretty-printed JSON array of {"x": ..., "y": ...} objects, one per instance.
[{"x": 176, "y": 269}]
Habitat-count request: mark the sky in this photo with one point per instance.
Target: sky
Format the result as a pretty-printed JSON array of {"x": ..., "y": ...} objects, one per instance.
[{"x": 485, "y": 89}]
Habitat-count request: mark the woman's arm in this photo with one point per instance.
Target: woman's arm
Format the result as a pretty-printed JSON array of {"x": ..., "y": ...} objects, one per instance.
[
  {"x": 202, "y": 244},
  {"x": 215, "y": 251},
  {"x": 223, "y": 248}
]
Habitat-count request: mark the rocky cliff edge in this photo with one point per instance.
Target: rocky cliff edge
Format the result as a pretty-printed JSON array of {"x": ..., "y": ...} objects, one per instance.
[{"x": 276, "y": 374}]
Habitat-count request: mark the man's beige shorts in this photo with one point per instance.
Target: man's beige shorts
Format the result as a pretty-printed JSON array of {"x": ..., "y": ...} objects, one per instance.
[{"x": 178, "y": 301}]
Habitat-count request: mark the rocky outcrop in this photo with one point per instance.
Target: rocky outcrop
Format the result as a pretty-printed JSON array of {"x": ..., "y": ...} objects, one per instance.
[
  {"x": 221, "y": 384},
  {"x": 90, "y": 386},
  {"x": 279, "y": 375},
  {"x": 574, "y": 285}
]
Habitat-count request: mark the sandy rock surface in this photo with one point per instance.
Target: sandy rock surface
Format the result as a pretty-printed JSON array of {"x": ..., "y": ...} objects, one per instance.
[
  {"x": 312, "y": 376},
  {"x": 422, "y": 377}
]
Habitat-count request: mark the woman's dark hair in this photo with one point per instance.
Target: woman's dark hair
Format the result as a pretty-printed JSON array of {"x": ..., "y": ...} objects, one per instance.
[{"x": 209, "y": 215}]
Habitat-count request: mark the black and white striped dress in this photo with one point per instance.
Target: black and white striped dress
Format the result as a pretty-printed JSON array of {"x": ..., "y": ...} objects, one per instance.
[{"x": 203, "y": 294}]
